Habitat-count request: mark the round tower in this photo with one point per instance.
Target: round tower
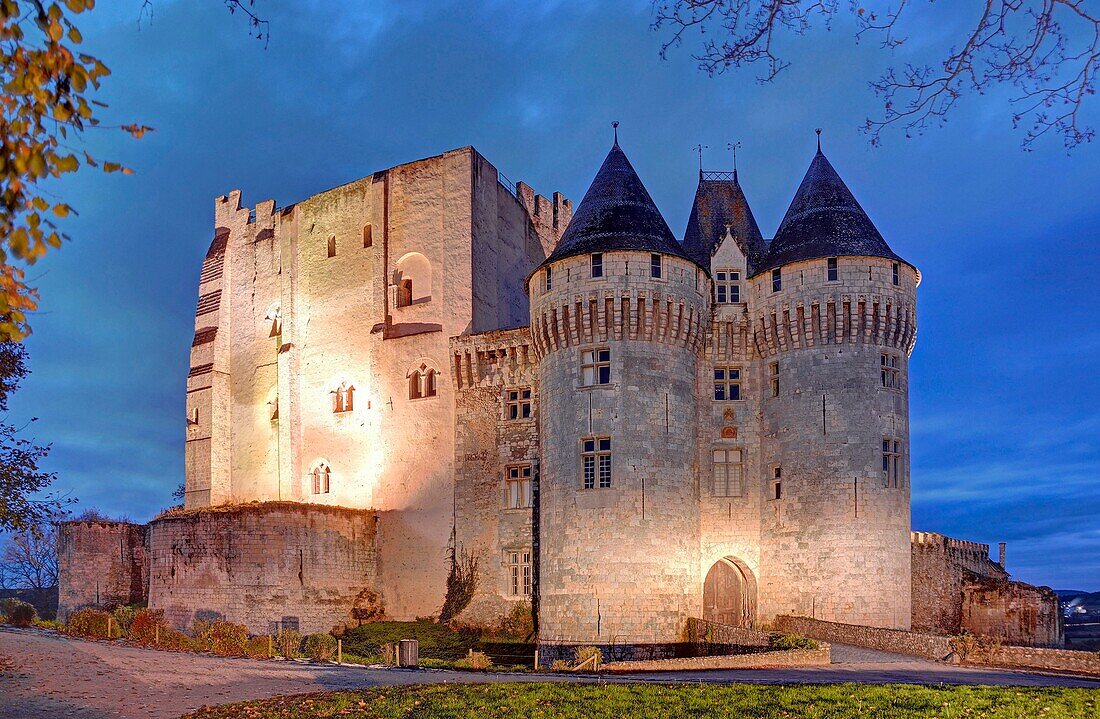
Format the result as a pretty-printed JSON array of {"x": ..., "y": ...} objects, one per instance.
[
  {"x": 833, "y": 312},
  {"x": 618, "y": 317}
]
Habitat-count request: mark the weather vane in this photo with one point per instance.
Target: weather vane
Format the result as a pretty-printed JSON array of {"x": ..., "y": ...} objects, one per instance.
[
  {"x": 615, "y": 129},
  {"x": 818, "y": 131},
  {"x": 733, "y": 146},
  {"x": 699, "y": 148}
]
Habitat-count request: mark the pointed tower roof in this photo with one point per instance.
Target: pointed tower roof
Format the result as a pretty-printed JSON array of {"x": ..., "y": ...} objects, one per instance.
[
  {"x": 616, "y": 213},
  {"x": 824, "y": 220},
  {"x": 720, "y": 201}
]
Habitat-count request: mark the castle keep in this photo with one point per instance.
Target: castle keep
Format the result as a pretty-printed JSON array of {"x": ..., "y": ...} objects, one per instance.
[{"x": 622, "y": 428}]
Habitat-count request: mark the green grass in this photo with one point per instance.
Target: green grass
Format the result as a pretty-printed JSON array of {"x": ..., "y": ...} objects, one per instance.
[
  {"x": 437, "y": 641},
  {"x": 654, "y": 701}
]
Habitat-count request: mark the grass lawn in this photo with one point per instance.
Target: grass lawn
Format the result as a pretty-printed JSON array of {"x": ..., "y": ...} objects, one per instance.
[{"x": 645, "y": 701}]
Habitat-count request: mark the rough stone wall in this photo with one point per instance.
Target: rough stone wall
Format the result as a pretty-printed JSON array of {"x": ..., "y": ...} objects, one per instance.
[
  {"x": 915, "y": 644},
  {"x": 265, "y": 564},
  {"x": 101, "y": 565},
  {"x": 485, "y": 367},
  {"x": 621, "y": 563},
  {"x": 835, "y": 546},
  {"x": 1012, "y": 612},
  {"x": 941, "y": 567}
]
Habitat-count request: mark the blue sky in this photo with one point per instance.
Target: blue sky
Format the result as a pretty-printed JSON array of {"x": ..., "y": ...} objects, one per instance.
[{"x": 1005, "y": 403}]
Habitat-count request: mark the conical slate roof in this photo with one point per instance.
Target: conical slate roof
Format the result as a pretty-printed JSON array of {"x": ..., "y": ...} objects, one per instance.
[
  {"x": 720, "y": 201},
  {"x": 616, "y": 213},
  {"x": 824, "y": 220}
]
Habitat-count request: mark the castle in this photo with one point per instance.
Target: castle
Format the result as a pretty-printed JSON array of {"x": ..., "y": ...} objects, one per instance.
[{"x": 433, "y": 364}]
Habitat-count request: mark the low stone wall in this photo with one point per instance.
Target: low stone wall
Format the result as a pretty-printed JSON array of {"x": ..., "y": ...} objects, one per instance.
[
  {"x": 761, "y": 660},
  {"x": 700, "y": 631},
  {"x": 1058, "y": 660},
  {"x": 887, "y": 640},
  {"x": 101, "y": 564}
]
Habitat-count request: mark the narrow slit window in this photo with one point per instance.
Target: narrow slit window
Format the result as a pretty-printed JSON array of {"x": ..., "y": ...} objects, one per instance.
[
  {"x": 777, "y": 481},
  {"x": 655, "y": 266},
  {"x": 777, "y": 279},
  {"x": 891, "y": 462},
  {"x": 332, "y": 246},
  {"x": 832, "y": 272},
  {"x": 896, "y": 273},
  {"x": 368, "y": 236},
  {"x": 773, "y": 376},
  {"x": 597, "y": 264},
  {"x": 549, "y": 278}
]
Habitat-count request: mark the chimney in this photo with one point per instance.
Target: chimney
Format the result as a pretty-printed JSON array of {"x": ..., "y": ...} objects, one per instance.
[{"x": 1001, "y": 547}]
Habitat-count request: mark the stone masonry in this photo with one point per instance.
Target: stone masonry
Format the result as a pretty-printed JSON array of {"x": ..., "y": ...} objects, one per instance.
[{"x": 102, "y": 564}]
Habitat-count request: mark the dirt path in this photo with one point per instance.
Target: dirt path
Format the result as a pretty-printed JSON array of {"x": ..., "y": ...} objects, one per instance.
[{"x": 53, "y": 676}]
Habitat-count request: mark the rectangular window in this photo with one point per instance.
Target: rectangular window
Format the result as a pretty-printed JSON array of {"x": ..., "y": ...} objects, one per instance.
[
  {"x": 517, "y": 487},
  {"x": 519, "y": 573},
  {"x": 517, "y": 404},
  {"x": 368, "y": 236},
  {"x": 655, "y": 266},
  {"x": 777, "y": 279},
  {"x": 597, "y": 264},
  {"x": 727, "y": 383},
  {"x": 832, "y": 272},
  {"x": 773, "y": 376},
  {"x": 727, "y": 473},
  {"x": 777, "y": 481},
  {"x": 891, "y": 462},
  {"x": 596, "y": 367},
  {"x": 596, "y": 462},
  {"x": 891, "y": 375},
  {"x": 549, "y": 278},
  {"x": 332, "y": 247},
  {"x": 727, "y": 286},
  {"x": 896, "y": 273}
]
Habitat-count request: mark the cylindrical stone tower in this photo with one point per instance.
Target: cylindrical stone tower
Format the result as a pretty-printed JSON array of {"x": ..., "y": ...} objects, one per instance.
[
  {"x": 618, "y": 316},
  {"x": 833, "y": 313}
]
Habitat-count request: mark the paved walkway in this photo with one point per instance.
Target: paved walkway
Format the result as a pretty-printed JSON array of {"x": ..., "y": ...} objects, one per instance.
[{"x": 54, "y": 676}]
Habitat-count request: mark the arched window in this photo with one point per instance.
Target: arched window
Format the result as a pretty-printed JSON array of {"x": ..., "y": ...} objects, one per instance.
[
  {"x": 319, "y": 479},
  {"x": 412, "y": 280},
  {"x": 343, "y": 398},
  {"x": 422, "y": 382}
]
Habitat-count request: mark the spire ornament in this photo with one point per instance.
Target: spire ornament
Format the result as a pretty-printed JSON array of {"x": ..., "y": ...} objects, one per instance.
[
  {"x": 818, "y": 131},
  {"x": 615, "y": 129}
]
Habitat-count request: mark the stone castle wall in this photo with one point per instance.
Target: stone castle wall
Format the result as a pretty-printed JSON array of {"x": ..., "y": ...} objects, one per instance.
[
  {"x": 266, "y": 565},
  {"x": 836, "y": 542},
  {"x": 101, "y": 565}
]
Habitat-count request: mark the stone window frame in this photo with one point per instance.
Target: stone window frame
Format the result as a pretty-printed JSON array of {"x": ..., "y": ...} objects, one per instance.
[
  {"x": 519, "y": 404},
  {"x": 727, "y": 384},
  {"x": 897, "y": 274},
  {"x": 892, "y": 462},
  {"x": 832, "y": 269},
  {"x": 548, "y": 279},
  {"x": 597, "y": 264},
  {"x": 516, "y": 494},
  {"x": 777, "y": 280},
  {"x": 519, "y": 572},
  {"x": 773, "y": 377},
  {"x": 890, "y": 371},
  {"x": 775, "y": 484},
  {"x": 656, "y": 266},
  {"x": 320, "y": 479},
  {"x": 596, "y": 462},
  {"x": 593, "y": 360},
  {"x": 727, "y": 286},
  {"x": 726, "y": 465},
  {"x": 343, "y": 398},
  {"x": 423, "y": 382}
]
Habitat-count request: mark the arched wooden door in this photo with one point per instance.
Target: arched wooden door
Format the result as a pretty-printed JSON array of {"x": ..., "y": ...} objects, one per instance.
[{"x": 729, "y": 594}]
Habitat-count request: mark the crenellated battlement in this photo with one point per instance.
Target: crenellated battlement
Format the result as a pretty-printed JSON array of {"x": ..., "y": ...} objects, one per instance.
[
  {"x": 838, "y": 319},
  {"x": 550, "y": 216},
  {"x": 972, "y": 555},
  {"x": 491, "y": 359}
]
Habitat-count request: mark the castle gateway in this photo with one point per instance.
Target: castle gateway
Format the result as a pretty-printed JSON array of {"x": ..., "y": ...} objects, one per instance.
[{"x": 621, "y": 428}]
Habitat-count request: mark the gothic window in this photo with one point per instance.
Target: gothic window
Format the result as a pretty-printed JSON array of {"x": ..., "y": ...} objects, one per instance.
[
  {"x": 519, "y": 572},
  {"x": 319, "y": 479},
  {"x": 655, "y": 266},
  {"x": 518, "y": 404},
  {"x": 412, "y": 280},
  {"x": 343, "y": 398},
  {"x": 832, "y": 271},
  {"x": 777, "y": 279},
  {"x": 728, "y": 473},
  {"x": 368, "y": 236},
  {"x": 517, "y": 486},
  {"x": 276, "y": 320},
  {"x": 891, "y": 461},
  {"x": 597, "y": 264},
  {"x": 596, "y": 367},
  {"x": 727, "y": 286},
  {"x": 727, "y": 383},
  {"x": 596, "y": 462},
  {"x": 777, "y": 482},
  {"x": 890, "y": 374},
  {"x": 773, "y": 376},
  {"x": 332, "y": 246},
  {"x": 422, "y": 382},
  {"x": 896, "y": 270},
  {"x": 549, "y": 278}
]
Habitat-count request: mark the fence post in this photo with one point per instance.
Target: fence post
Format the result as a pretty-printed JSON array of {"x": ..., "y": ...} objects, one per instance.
[
  {"x": 536, "y": 657},
  {"x": 270, "y": 647},
  {"x": 156, "y": 635},
  {"x": 339, "y": 651},
  {"x": 110, "y": 626}
]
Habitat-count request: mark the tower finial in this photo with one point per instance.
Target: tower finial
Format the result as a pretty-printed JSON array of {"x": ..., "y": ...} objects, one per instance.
[
  {"x": 733, "y": 146},
  {"x": 615, "y": 129},
  {"x": 818, "y": 131},
  {"x": 699, "y": 148}
]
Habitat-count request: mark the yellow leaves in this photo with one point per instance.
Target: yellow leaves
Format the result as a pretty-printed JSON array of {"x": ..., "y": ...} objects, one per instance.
[
  {"x": 75, "y": 36},
  {"x": 137, "y": 131},
  {"x": 60, "y": 209},
  {"x": 68, "y": 163}
]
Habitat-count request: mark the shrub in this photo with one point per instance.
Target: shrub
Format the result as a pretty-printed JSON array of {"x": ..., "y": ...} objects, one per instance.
[
  {"x": 21, "y": 614},
  {"x": 89, "y": 623},
  {"x": 560, "y": 665},
  {"x": 320, "y": 647},
  {"x": 172, "y": 639},
  {"x": 144, "y": 625},
  {"x": 288, "y": 641},
  {"x": 583, "y": 654},
  {"x": 518, "y": 623},
  {"x": 50, "y": 624},
  {"x": 790, "y": 641},
  {"x": 225, "y": 638},
  {"x": 124, "y": 617},
  {"x": 474, "y": 662},
  {"x": 257, "y": 648}
]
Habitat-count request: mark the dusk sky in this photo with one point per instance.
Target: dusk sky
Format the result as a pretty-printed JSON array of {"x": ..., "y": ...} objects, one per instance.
[{"x": 1005, "y": 402}]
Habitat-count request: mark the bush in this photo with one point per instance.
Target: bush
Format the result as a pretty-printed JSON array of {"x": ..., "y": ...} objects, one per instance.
[
  {"x": 787, "y": 642},
  {"x": 89, "y": 623},
  {"x": 144, "y": 626},
  {"x": 560, "y": 665},
  {"x": 320, "y": 647},
  {"x": 225, "y": 638},
  {"x": 124, "y": 617},
  {"x": 474, "y": 662},
  {"x": 21, "y": 614},
  {"x": 257, "y": 648},
  {"x": 172, "y": 639},
  {"x": 288, "y": 641},
  {"x": 583, "y": 654},
  {"x": 51, "y": 624}
]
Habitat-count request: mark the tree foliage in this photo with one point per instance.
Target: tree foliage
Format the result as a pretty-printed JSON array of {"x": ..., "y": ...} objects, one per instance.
[
  {"x": 1047, "y": 51},
  {"x": 29, "y": 559}
]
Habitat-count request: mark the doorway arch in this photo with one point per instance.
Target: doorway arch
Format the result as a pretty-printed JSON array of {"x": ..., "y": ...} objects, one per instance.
[{"x": 729, "y": 593}]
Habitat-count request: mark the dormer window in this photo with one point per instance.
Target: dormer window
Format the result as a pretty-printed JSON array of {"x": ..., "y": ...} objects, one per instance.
[
  {"x": 597, "y": 264},
  {"x": 727, "y": 286}
]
